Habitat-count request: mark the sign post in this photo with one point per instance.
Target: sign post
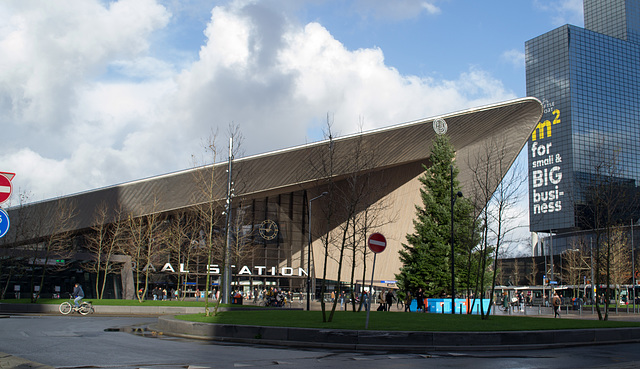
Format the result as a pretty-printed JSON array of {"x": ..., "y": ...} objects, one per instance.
[
  {"x": 4, "y": 223},
  {"x": 5, "y": 186},
  {"x": 5, "y": 192},
  {"x": 377, "y": 243}
]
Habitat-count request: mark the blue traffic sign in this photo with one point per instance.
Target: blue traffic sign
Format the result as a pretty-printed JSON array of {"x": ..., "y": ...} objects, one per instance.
[{"x": 4, "y": 223}]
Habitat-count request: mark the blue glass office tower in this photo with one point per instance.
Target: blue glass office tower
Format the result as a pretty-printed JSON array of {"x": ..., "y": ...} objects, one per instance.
[{"x": 589, "y": 82}]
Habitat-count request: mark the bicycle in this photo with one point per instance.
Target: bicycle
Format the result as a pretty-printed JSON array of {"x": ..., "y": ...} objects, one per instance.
[{"x": 67, "y": 307}]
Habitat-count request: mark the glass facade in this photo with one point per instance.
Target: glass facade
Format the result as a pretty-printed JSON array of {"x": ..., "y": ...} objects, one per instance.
[{"x": 589, "y": 82}]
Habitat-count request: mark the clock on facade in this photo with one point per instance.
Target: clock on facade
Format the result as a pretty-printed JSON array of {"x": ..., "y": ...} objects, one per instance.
[{"x": 268, "y": 229}]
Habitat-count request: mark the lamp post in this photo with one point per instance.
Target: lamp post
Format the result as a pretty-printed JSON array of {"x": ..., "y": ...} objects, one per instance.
[
  {"x": 309, "y": 252},
  {"x": 453, "y": 278},
  {"x": 633, "y": 270},
  {"x": 593, "y": 288}
]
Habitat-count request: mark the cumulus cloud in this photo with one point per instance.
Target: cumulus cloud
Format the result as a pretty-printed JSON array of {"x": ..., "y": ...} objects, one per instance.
[{"x": 88, "y": 104}]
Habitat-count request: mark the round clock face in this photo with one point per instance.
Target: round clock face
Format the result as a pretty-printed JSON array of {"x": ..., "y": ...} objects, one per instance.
[
  {"x": 268, "y": 229},
  {"x": 440, "y": 126}
]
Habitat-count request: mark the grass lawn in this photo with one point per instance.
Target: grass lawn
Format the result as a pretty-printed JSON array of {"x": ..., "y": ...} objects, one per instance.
[
  {"x": 398, "y": 321},
  {"x": 378, "y": 320}
]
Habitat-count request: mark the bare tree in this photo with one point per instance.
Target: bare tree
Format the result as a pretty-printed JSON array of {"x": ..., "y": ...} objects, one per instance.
[
  {"x": 575, "y": 262},
  {"x": 322, "y": 164},
  {"x": 498, "y": 270},
  {"x": 496, "y": 191},
  {"x": 103, "y": 242},
  {"x": 182, "y": 244},
  {"x": 12, "y": 258},
  {"x": 241, "y": 245},
  {"x": 351, "y": 210},
  {"x": 532, "y": 275},
  {"x": 602, "y": 204},
  {"x": 516, "y": 272},
  {"x": 620, "y": 258},
  {"x": 360, "y": 209},
  {"x": 215, "y": 213},
  {"x": 145, "y": 236},
  {"x": 58, "y": 244}
]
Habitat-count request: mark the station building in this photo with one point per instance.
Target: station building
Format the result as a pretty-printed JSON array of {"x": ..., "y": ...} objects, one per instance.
[{"x": 280, "y": 202}]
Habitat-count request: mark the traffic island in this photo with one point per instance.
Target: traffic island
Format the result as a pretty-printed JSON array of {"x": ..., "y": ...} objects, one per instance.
[{"x": 397, "y": 341}]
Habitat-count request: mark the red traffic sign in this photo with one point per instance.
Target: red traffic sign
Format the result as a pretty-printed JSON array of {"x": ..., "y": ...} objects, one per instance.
[
  {"x": 377, "y": 243},
  {"x": 5, "y": 186}
]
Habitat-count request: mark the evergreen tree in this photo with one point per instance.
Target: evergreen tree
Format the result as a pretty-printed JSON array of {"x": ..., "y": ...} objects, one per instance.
[{"x": 426, "y": 257}]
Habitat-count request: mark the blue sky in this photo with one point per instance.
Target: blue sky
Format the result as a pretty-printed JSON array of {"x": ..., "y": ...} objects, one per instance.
[{"x": 95, "y": 93}]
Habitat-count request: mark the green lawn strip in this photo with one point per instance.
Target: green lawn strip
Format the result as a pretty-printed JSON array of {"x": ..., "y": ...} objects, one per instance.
[{"x": 400, "y": 321}]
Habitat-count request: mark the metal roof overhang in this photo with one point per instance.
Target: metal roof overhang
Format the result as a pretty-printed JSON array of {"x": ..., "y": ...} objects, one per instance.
[{"x": 286, "y": 169}]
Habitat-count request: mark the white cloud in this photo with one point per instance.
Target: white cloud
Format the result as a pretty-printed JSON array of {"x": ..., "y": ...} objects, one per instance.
[
  {"x": 563, "y": 11},
  {"x": 514, "y": 57},
  {"x": 396, "y": 10},
  {"x": 89, "y": 106}
]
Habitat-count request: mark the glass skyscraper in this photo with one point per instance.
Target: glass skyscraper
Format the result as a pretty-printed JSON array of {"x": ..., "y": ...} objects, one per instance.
[{"x": 589, "y": 82}]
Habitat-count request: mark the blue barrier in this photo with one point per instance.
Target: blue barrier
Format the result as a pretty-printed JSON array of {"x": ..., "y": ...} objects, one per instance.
[{"x": 443, "y": 306}]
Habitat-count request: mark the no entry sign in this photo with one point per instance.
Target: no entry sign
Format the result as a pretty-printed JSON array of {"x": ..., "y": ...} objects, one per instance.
[
  {"x": 377, "y": 242},
  {"x": 5, "y": 187}
]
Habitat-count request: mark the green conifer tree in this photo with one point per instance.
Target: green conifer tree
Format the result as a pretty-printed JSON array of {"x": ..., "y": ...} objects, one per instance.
[{"x": 426, "y": 257}]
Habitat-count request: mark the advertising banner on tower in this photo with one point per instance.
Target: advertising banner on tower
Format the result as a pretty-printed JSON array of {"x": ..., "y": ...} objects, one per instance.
[{"x": 549, "y": 171}]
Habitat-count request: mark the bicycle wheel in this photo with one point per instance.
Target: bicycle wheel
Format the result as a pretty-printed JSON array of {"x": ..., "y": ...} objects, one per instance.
[
  {"x": 65, "y": 308},
  {"x": 85, "y": 308}
]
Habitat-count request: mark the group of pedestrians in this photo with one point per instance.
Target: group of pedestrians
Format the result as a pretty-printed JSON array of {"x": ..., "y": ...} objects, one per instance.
[
  {"x": 386, "y": 299},
  {"x": 161, "y": 293}
]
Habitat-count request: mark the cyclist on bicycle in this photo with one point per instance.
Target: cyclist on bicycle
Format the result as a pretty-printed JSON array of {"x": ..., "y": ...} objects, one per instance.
[{"x": 78, "y": 295}]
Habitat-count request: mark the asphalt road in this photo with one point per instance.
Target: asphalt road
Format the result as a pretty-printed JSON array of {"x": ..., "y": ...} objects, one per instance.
[{"x": 123, "y": 342}]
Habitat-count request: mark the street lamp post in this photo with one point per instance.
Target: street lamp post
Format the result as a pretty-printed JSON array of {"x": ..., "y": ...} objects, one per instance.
[
  {"x": 453, "y": 279},
  {"x": 309, "y": 252},
  {"x": 593, "y": 288}
]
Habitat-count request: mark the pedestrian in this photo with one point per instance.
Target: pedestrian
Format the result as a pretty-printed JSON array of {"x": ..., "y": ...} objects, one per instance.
[
  {"x": 407, "y": 302},
  {"x": 556, "y": 302},
  {"x": 420, "y": 299},
  {"x": 164, "y": 294},
  {"x": 389, "y": 299},
  {"x": 197, "y": 294},
  {"x": 505, "y": 301},
  {"x": 365, "y": 300},
  {"x": 521, "y": 301}
]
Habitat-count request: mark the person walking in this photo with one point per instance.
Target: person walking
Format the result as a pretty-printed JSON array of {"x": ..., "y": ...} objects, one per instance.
[
  {"x": 521, "y": 301},
  {"x": 389, "y": 299},
  {"x": 556, "y": 302},
  {"x": 407, "y": 301},
  {"x": 420, "y": 300}
]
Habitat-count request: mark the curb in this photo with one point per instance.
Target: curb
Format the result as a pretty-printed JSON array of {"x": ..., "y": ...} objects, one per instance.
[
  {"x": 401, "y": 341},
  {"x": 13, "y": 362}
]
